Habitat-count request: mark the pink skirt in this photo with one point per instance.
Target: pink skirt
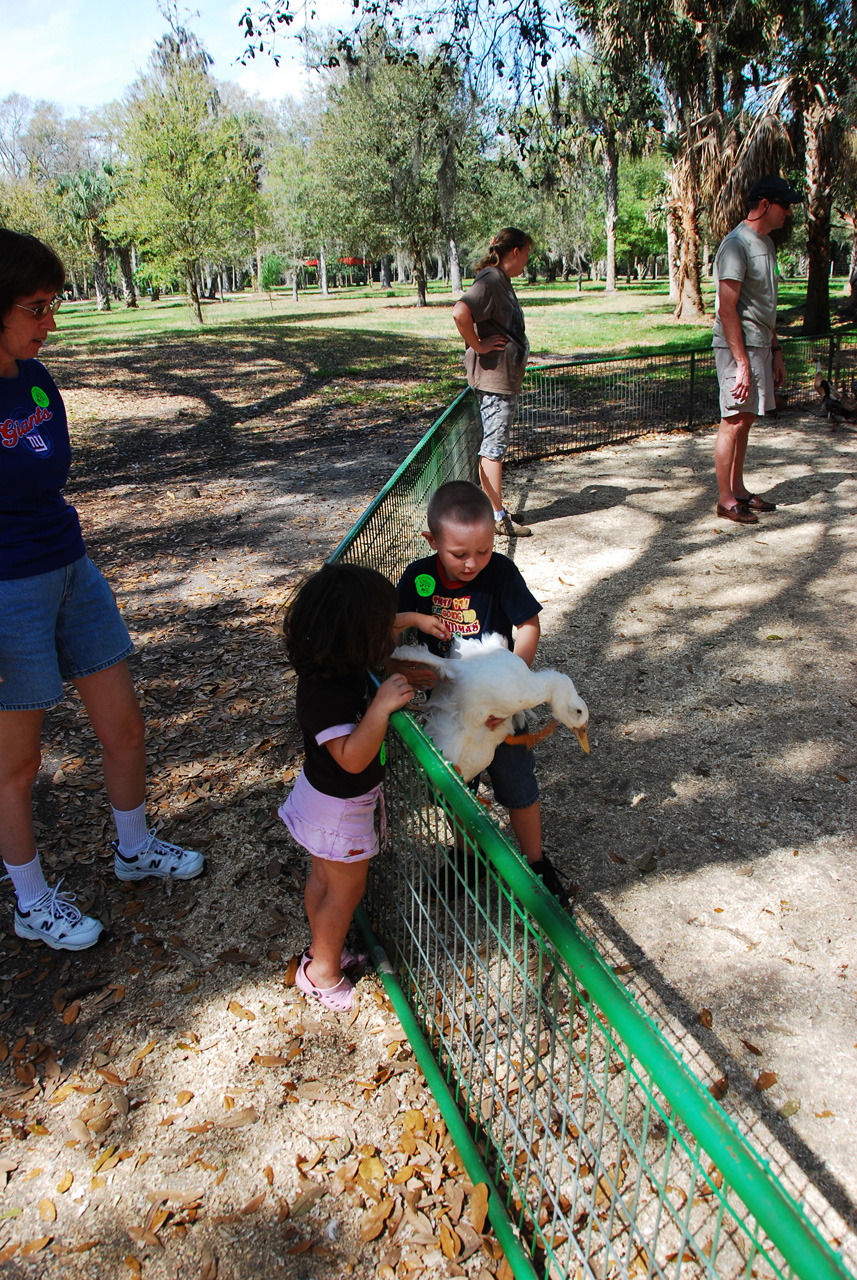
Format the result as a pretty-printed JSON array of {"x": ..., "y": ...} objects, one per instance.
[{"x": 332, "y": 828}]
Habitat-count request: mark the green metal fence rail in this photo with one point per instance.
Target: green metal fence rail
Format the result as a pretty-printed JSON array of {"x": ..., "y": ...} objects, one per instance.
[
  {"x": 581, "y": 404},
  {"x": 612, "y": 1160}
]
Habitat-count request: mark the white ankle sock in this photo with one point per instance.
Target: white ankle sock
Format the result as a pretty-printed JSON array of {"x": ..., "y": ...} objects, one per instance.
[
  {"x": 498, "y": 515},
  {"x": 131, "y": 829},
  {"x": 28, "y": 881}
]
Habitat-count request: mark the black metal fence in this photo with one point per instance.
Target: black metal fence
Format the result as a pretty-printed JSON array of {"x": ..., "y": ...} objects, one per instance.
[{"x": 581, "y": 404}]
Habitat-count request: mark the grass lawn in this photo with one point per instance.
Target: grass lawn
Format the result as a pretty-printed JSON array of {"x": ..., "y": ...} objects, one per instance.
[{"x": 362, "y": 347}]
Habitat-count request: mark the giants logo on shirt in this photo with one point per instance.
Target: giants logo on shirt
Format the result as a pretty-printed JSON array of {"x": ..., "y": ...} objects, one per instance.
[
  {"x": 15, "y": 429},
  {"x": 457, "y": 614}
]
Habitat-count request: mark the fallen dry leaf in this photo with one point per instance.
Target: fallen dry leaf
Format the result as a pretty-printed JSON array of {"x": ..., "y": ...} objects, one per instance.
[
  {"x": 208, "y": 1264},
  {"x": 133, "y": 1264},
  {"x": 184, "y": 1097},
  {"x": 35, "y": 1246},
  {"x": 372, "y": 1222},
  {"x": 764, "y": 1080},
  {"x": 238, "y": 1119},
  {"x": 241, "y": 1012},
  {"x": 478, "y": 1206},
  {"x": 65, "y": 1183},
  {"x": 291, "y": 971},
  {"x": 252, "y": 1206},
  {"x": 71, "y": 1014},
  {"x": 78, "y": 1129},
  {"x": 706, "y": 1018},
  {"x": 720, "y": 1088},
  {"x": 47, "y": 1211},
  {"x": 449, "y": 1241}
]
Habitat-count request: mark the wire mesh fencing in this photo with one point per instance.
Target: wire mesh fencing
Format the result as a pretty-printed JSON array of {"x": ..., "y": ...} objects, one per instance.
[
  {"x": 613, "y": 1160},
  {"x": 581, "y": 404}
]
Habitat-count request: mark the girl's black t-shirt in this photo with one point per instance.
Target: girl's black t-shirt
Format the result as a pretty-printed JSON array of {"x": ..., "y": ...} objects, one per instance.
[{"x": 324, "y": 703}]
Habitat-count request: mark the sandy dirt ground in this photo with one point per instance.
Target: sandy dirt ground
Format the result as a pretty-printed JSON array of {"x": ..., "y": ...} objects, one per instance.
[
  {"x": 713, "y": 822},
  {"x": 170, "y": 1104}
]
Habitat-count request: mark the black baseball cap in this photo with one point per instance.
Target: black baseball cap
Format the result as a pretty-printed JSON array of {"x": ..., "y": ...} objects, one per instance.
[{"x": 774, "y": 189}]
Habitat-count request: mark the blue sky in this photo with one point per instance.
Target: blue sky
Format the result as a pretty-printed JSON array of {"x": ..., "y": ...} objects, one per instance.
[{"x": 83, "y": 53}]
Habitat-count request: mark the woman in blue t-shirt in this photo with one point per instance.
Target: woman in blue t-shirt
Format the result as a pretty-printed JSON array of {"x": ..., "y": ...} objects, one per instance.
[{"x": 58, "y": 619}]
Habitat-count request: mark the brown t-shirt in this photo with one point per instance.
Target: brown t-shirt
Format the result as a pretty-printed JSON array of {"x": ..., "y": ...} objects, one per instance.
[{"x": 495, "y": 308}]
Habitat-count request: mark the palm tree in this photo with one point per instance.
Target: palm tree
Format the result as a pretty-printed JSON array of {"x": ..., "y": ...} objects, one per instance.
[
  {"x": 591, "y": 110},
  {"x": 84, "y": 200}
]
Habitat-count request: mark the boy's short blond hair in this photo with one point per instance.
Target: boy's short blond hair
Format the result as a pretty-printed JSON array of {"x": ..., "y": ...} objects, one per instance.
[{"x": 458, "y": 502}]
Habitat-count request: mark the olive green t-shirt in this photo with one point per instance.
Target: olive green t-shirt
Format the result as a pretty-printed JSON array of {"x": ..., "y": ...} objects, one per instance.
[
  {"x": 746, "y": 256},
  {"x": 495, "y": 308}
]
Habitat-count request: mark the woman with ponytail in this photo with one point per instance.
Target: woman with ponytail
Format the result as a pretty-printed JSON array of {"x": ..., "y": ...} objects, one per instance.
[{"x": 491, "y": 322}]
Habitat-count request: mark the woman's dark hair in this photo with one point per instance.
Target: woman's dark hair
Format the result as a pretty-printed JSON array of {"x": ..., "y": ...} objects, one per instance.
[
  {"x": 26, "y": 266},
  {"x": 504, "y": 242},
  {"x": 340, "y": 621}
]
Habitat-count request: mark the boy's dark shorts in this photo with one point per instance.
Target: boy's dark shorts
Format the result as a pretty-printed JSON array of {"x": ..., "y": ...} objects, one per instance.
[{"x": 512, "y": 776}]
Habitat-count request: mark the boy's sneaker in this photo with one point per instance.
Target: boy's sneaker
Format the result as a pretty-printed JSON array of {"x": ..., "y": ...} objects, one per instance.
[
  {"x": 54, "y": 920},
  {"x": 158, "y": 858},
  {"x": 508, "y": 528},
  {"x": 549, "y": 877}
]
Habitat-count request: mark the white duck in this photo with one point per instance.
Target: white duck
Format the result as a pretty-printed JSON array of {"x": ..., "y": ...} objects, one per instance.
[{"x": 481, "y": 679}]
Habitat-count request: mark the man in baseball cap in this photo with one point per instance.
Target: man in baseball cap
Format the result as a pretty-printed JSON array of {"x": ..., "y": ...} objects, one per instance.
[{"x": 748, "y": 356}]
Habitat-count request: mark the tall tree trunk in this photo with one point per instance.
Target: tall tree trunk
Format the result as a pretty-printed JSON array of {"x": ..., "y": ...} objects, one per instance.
[
  {"x": 193, "y": 295},
  {"x": 690, "y": 305},
  {"x": 258, "y": 242},
  {"x": 322, "y": 273},
  {"x": 419, "y": 276},
  {"x": 819, "y": 201},
  {"x": 386, "y": 278},
  {"x": 401, "y": 269},
  {"x": 672, "y": 249},
  {"x": 610, "y": 160},
  {"x": 454, "y": 267},
  {"x": 295, "y": 285},
  {"x": 126, "y": 270},
  {"x": 98, "y": 248}
]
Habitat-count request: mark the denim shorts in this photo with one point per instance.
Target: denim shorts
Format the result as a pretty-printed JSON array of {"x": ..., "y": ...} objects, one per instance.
[
  {"x": 498, "y": 414},
  {"x": 512, "y": 776},
  {"x": 56, "y": 626}
]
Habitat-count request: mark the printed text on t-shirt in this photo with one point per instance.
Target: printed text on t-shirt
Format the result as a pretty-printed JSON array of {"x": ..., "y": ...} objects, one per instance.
[
  {"x": 13, "y": 430},
  {"x": 457, "y": 614}
]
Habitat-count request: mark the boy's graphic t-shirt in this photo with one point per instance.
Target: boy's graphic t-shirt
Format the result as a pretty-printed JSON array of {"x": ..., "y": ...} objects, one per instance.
[
  {"x": 39, "y": 531},
  {"x": 496, "y": 600},
  {"x": 325, "y": 705}
]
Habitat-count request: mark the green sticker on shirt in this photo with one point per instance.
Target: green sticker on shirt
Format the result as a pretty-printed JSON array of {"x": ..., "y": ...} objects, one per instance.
[
  {"x": 383, "y": 755},
  {"x": 425, "y": 584},
  {"x": 41, "y": 397}
]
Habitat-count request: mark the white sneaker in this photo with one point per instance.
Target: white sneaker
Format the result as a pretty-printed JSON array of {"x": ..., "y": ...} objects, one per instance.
[
  {"x": 55, "y": 921},
  {"x": 158, "y": 858}
]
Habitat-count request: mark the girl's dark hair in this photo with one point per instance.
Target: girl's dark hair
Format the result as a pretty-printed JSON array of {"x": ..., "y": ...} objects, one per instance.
[
  {"x": 340, "y": 621},
  {"x": 26, "y": 266},
  {"x": 504, "y": 242}
]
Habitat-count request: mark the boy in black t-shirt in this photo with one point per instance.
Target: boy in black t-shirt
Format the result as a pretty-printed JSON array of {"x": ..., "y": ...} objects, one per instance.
[{"x": 466, "y": 588}]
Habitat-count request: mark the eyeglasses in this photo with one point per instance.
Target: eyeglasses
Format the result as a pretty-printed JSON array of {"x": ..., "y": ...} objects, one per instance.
[{"x": 39, "y": 310}]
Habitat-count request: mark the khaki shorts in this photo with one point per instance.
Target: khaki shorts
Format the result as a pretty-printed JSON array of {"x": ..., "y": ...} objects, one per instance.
[{"x": 761, "y": 398}]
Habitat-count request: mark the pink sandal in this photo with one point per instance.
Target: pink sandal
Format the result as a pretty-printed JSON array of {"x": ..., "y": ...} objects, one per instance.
[
  {"x": 347, "y": 960},
  {"x": 337, "y": 998}
]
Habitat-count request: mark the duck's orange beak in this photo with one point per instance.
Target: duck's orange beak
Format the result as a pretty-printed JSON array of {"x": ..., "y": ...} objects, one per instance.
[{"x": 582, "y": 737}]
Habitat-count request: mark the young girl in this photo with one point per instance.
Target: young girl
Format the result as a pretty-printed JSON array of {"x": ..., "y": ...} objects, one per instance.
[
  {"x": 341, "y": 623},
  {"x": 490, "y": 320}
]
